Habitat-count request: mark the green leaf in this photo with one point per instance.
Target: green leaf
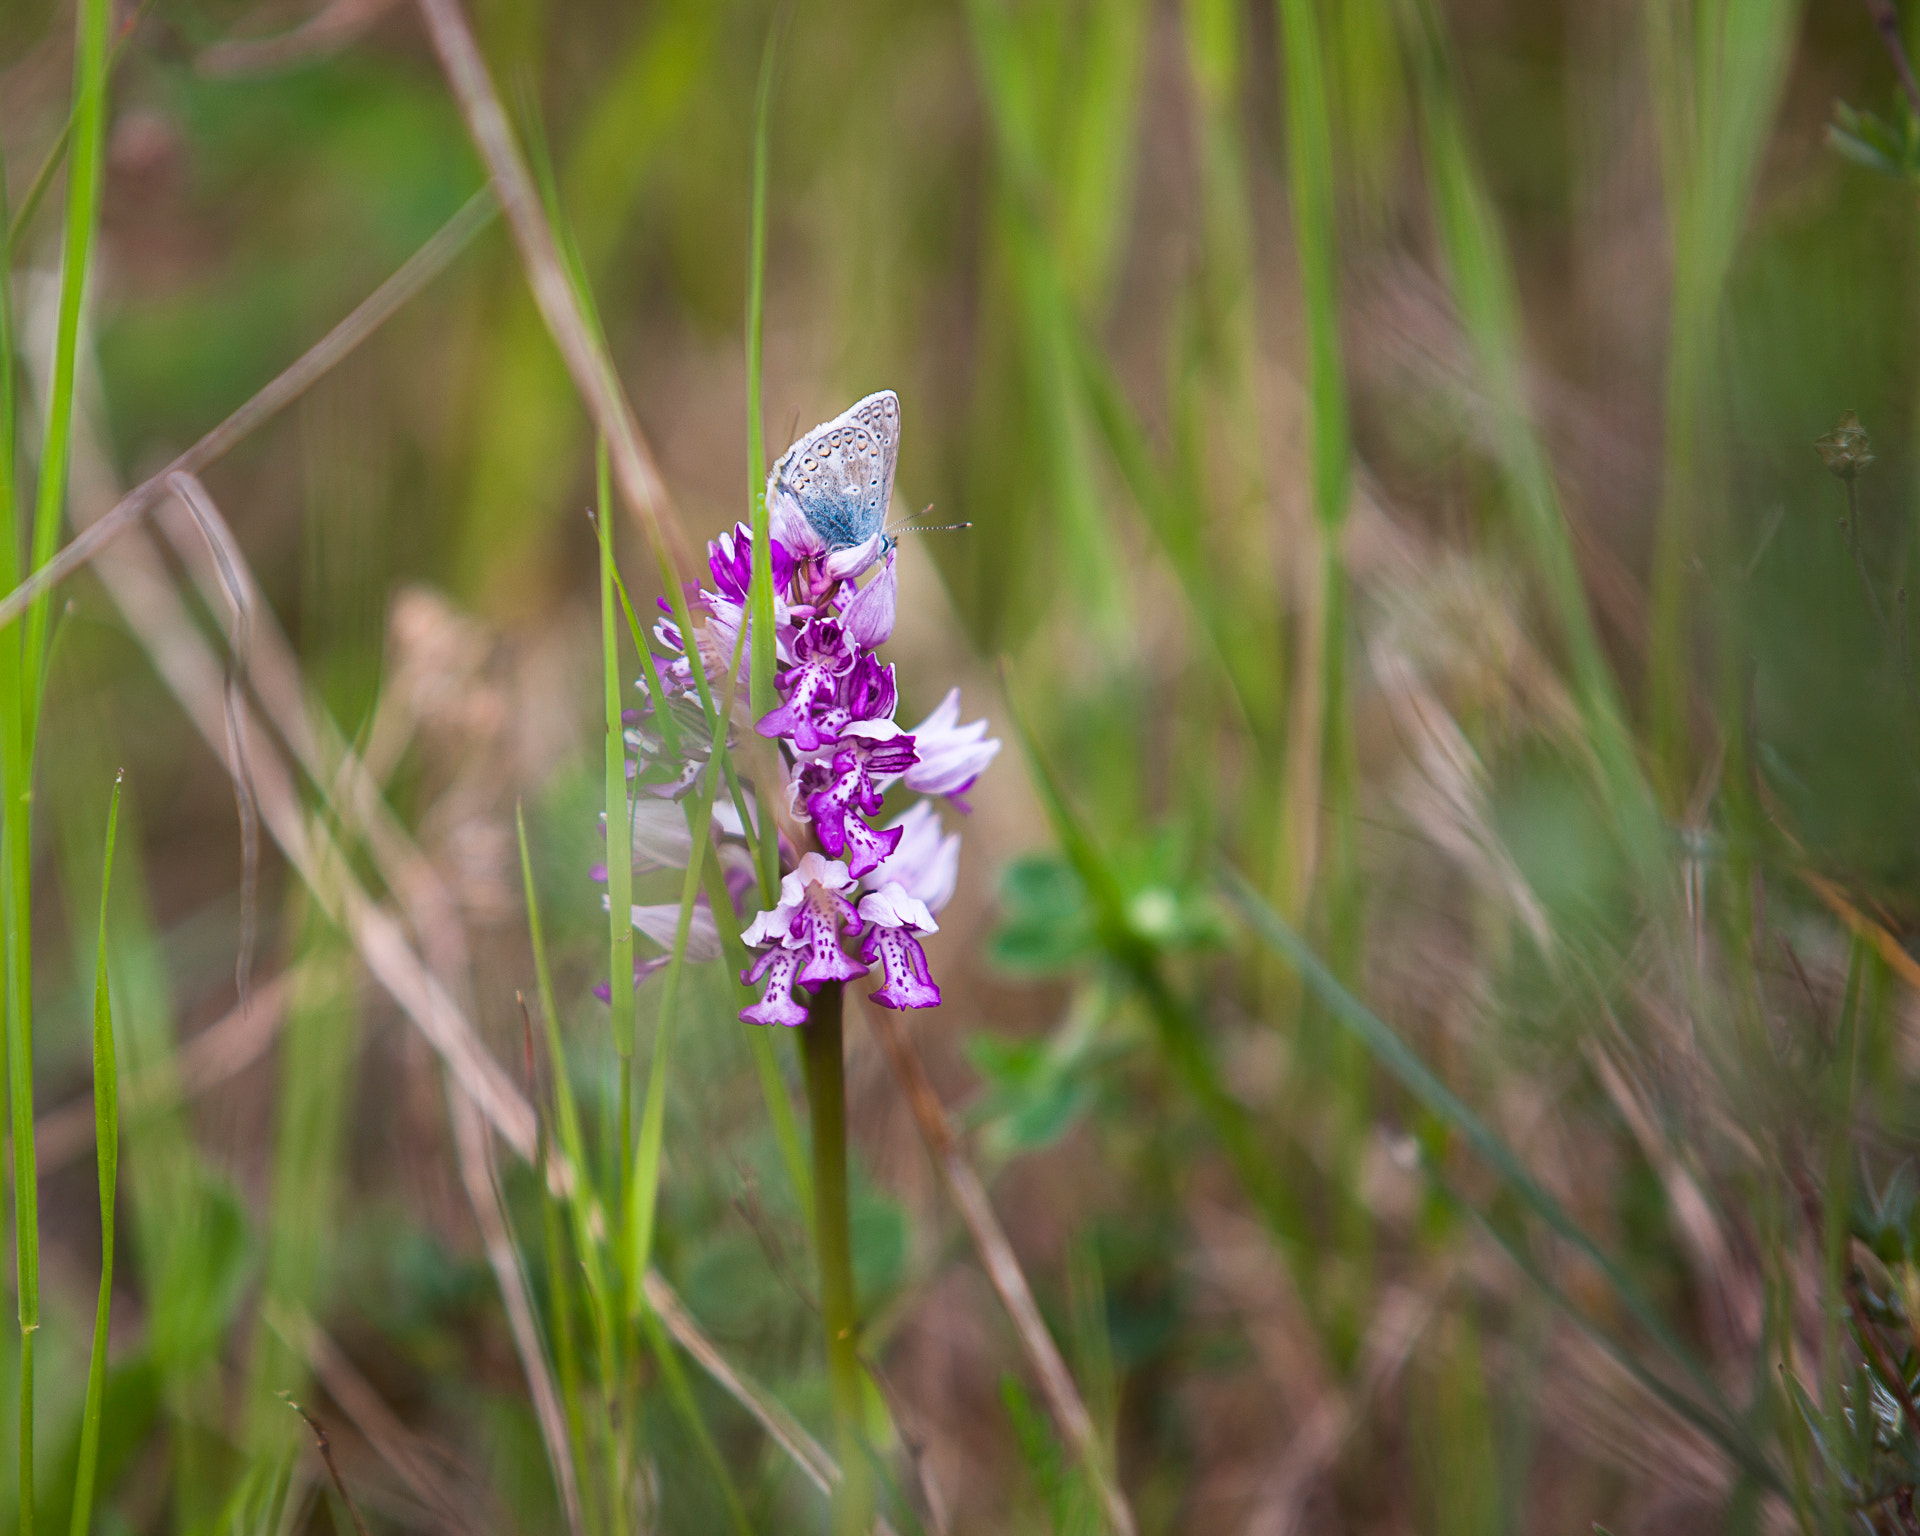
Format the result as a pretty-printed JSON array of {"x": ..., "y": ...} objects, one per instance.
[
  {"x": 760, "y": 691},
  {"x": 1033, "y": 1097},
  {"x": 106, "y": 1140},
  {"x": 1046, "y": 924}
]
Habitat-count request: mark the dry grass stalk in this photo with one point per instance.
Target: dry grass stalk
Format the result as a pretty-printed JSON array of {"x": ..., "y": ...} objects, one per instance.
[
  {"x": 333, "y": 27},
  {"x": 1398, "y": 1323},
  {"x": 1003, "y": 1269},
  {"x": 593, "y": 374},
  {"x": 476, "y": 1171},
  {"x": 220, "y": 1051},
  {"x": 787, "y": 1432},
  {"x": 377, "y": 1424},
  {"x": 375, "y": 310}
]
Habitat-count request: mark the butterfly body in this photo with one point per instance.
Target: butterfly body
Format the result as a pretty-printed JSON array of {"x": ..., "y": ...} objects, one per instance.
[{"x": 829, "y": 493}]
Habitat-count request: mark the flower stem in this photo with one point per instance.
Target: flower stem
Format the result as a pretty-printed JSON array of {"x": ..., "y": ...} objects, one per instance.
[
  {"x": 827, "y": 1103},
  {"x": 1896, "y": 639}
]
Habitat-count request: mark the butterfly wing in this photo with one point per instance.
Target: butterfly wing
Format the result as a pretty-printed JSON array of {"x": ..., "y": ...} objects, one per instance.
[{"x": 841, "y": 473}]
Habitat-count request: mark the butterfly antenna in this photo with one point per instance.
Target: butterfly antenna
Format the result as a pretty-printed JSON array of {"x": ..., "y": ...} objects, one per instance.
[{"x": 914, "y": 525}]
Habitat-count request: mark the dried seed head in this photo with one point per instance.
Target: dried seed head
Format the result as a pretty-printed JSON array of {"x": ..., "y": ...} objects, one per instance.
[{"x": 1845, "y": 450}]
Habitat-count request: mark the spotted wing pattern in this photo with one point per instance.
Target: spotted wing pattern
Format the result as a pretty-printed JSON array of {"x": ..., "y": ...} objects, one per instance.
[{"x": 841, "y": 473}]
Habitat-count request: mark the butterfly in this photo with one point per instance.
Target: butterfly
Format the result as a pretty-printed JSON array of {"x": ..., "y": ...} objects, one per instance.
[{"x": 829, "y": 493}]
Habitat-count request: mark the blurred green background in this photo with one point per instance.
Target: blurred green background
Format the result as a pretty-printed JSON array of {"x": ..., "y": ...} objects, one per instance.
[{"x": 1467, "y": 581}]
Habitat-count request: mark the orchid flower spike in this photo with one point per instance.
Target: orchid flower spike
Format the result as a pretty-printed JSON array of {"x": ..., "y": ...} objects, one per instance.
[{"x": 841, "y": 750}]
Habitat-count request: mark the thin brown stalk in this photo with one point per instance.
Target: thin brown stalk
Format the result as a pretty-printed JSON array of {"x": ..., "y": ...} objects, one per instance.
[
  {"x": 137, "y": 581},
  {"x": 420, "y": 269},
  {"x": 593, "y": 374},
  {"x": 272, "y": 672},
  {"x": 787, "y": 1432},
  {"x": 1003, "y": 1269},
  {"x": 217, "y": 1053},
  {"x": 227, "y": 561},
  {"x": 1886, "y": 21},
  {"x": 325, "y": 1447},
  {"x": 476, "y": 1170},
  {"x": 368, "y": 1412},
  {"x": 326, "y": 32}
]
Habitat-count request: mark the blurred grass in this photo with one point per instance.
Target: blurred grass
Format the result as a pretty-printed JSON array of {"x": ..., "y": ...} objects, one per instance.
[{"x": 1386, "y": 438}]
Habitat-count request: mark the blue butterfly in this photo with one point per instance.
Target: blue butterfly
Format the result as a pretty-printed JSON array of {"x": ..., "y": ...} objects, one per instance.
[{"x": 829, "y": 493}]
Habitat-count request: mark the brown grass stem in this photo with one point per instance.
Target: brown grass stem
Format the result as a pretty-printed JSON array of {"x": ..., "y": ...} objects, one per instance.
[
  {"x": 324, "y": 1446},
  {"x": 476, "y": 1172},
  {"x": 1886, "y": 21},
  {"x": 546, "y": 271},
  {"x": 1003, "y": 1268},
  {"x": 213, "y": 1056},
  {"x": 405, "y": 1454},
  {"x": 292, "y": 382}
]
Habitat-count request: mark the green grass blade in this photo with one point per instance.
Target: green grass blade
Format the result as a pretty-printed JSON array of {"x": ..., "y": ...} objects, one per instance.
[
  {"x": 1716, "y": 87},
  {"x": 566, "y": 1110},
  {"x": 670, "y": 728},
  {"x": 1310, "y": 185},
  {"x": 17, "y": 224},
  {"x": 83, "y": 207},
  {"x": 1413, "y": 1074},
  {"x": 562, "y": 1337},
  {"x": 1012, "y": 80},
  {"x": 760, "y": 839},
  {"x": 16, "y": 857},
  {"x": 106, "y": 1142},
  {"x": 1175, "y": 522},
  {"x": 20, "y": 691},
  {"x": 644, "y": 1193},
  {"x": 9, "y": 504},
  {"x": 1482, "y": 283},
  {"x": 619, "y": 840},
  {"x": 649, "y": 670},
  {"x": 680, "y": 1394},
  {"x": 1327, "y": 773},
  {"x": 760, "y": 694},
  {"x": 576, "y": 274},
  {"x": 1180, "y": 1032},
  {"x": 766, "y": 1066},
  {"x": 584, "y": 1220},
  {"x": 773, "y": 1088}
]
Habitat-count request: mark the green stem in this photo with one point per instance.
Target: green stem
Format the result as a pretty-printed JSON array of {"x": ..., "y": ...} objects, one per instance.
[
  {"x": 20, "y": 682},
  {"x": 19, "y": 1009},
  {"x": 760, "y": 690},
  {"x": 827, "y": 1102},
  {"x": 619, "y": 834},
  {"x": 106, "y": 1141},
  {"x": 83, "y": 200}
]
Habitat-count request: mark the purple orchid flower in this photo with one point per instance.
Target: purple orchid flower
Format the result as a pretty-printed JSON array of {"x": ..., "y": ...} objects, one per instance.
[
  {"x": 840, "y": 748},
  {"x": 951, "y": 755},
  {"x": 803, "y": 927},
  {"x": 892, "y": 918},
  {"x": 824, "y": 654}
]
